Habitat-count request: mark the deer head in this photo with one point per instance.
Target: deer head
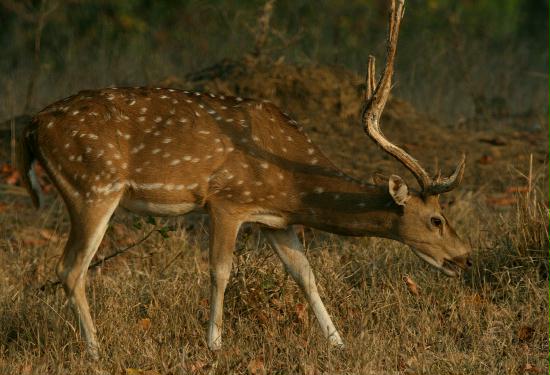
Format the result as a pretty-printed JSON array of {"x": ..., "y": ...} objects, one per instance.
[{"x": 422, "y": 224}]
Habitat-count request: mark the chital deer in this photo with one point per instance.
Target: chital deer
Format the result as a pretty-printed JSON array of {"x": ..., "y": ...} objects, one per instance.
[{"x": 158, "y": 151}]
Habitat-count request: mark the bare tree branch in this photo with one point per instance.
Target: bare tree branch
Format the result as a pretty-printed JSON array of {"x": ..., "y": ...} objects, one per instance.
[{"x": 19, "y": 8}]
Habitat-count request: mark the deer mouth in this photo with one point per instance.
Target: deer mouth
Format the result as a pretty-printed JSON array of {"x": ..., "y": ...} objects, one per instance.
[{"x": 448, "y": 267}]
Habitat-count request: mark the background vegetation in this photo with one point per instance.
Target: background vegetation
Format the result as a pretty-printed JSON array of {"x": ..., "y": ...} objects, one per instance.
[{"x": 454, "y": 55}]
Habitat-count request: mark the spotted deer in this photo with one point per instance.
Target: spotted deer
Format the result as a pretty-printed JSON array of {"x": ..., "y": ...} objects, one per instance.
[{"x": 161, "y": 151}]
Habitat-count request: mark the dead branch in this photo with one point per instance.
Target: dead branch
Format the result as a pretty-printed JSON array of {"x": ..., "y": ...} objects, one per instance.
[
  {"x": 262, "y": 28},
  {"x": 54, "y": 284},
  {"x": 46, "y": 8}
]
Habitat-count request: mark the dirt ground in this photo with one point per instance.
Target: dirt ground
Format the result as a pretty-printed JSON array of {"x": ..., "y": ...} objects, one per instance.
[{"x": 150, "y": 304}]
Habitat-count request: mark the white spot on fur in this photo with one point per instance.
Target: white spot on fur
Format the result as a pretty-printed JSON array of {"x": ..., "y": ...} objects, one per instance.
[{"x": 138, "y": 148}]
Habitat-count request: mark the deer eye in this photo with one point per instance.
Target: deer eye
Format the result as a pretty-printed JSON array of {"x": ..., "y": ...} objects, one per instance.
[{"x": 437, "y": 221}]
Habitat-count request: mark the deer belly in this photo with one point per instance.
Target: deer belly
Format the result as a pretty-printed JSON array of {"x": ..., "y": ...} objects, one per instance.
[
  {"x": 145, "y": 207},
  {"x": 160, "y": 199}
]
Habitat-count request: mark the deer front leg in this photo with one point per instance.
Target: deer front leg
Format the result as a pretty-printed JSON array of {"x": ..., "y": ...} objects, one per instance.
[
  {"x": 87, "y": 229},
  {"x": 223, "y": 234},
  {"x": 290, "y": 251}
]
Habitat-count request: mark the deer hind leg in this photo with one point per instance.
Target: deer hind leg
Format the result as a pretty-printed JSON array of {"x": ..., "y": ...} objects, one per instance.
[
  {"x": 223, "y": 234},
  {"x": 88, "y": 226},
  {"x": 289, "y": 249}
]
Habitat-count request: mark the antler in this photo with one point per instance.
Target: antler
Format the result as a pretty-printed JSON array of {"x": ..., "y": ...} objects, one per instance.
[{"x": 376, "y": 98}]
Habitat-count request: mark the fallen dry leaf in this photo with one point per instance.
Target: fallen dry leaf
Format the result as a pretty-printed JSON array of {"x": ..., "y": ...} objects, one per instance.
[
  {"x": 197, "y": 366},
  {"x": 256, "y": 366},
  {"x": 262, "y": 317},
  {"x": 301, "y": 312},
  {"x": 532, "y": 369},
  {"x": 411, "y": 285},
  {"x": 12, "y": 178},
  {"x": 501, "y": 201},
  {"x": 48, "y": 234},
  {"x": 517, "y": 189},
  {"x": 525, "y": 333},
  {"x": 486, "y": 159},
  {"x": 144, "y": 324},
  {"x": 474, "y": 300},
  {"x": 30, "y": 237}
]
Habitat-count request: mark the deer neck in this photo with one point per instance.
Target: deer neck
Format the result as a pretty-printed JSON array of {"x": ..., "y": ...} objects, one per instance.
[{"x": 343, "y": 205}]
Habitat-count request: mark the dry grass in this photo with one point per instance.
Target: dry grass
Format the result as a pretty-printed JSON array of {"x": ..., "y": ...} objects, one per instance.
[{"x": 151, "y": 306}]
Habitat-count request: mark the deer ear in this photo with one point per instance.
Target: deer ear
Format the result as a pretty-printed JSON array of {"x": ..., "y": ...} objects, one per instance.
[{"x": 398, "y": 190}]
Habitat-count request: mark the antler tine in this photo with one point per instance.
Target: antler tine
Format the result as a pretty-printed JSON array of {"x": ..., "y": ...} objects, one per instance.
[
  {"x": 370, "y": 81},
  {"x": 443, "y": 185},
  {"x": 377, "y": 97}
]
